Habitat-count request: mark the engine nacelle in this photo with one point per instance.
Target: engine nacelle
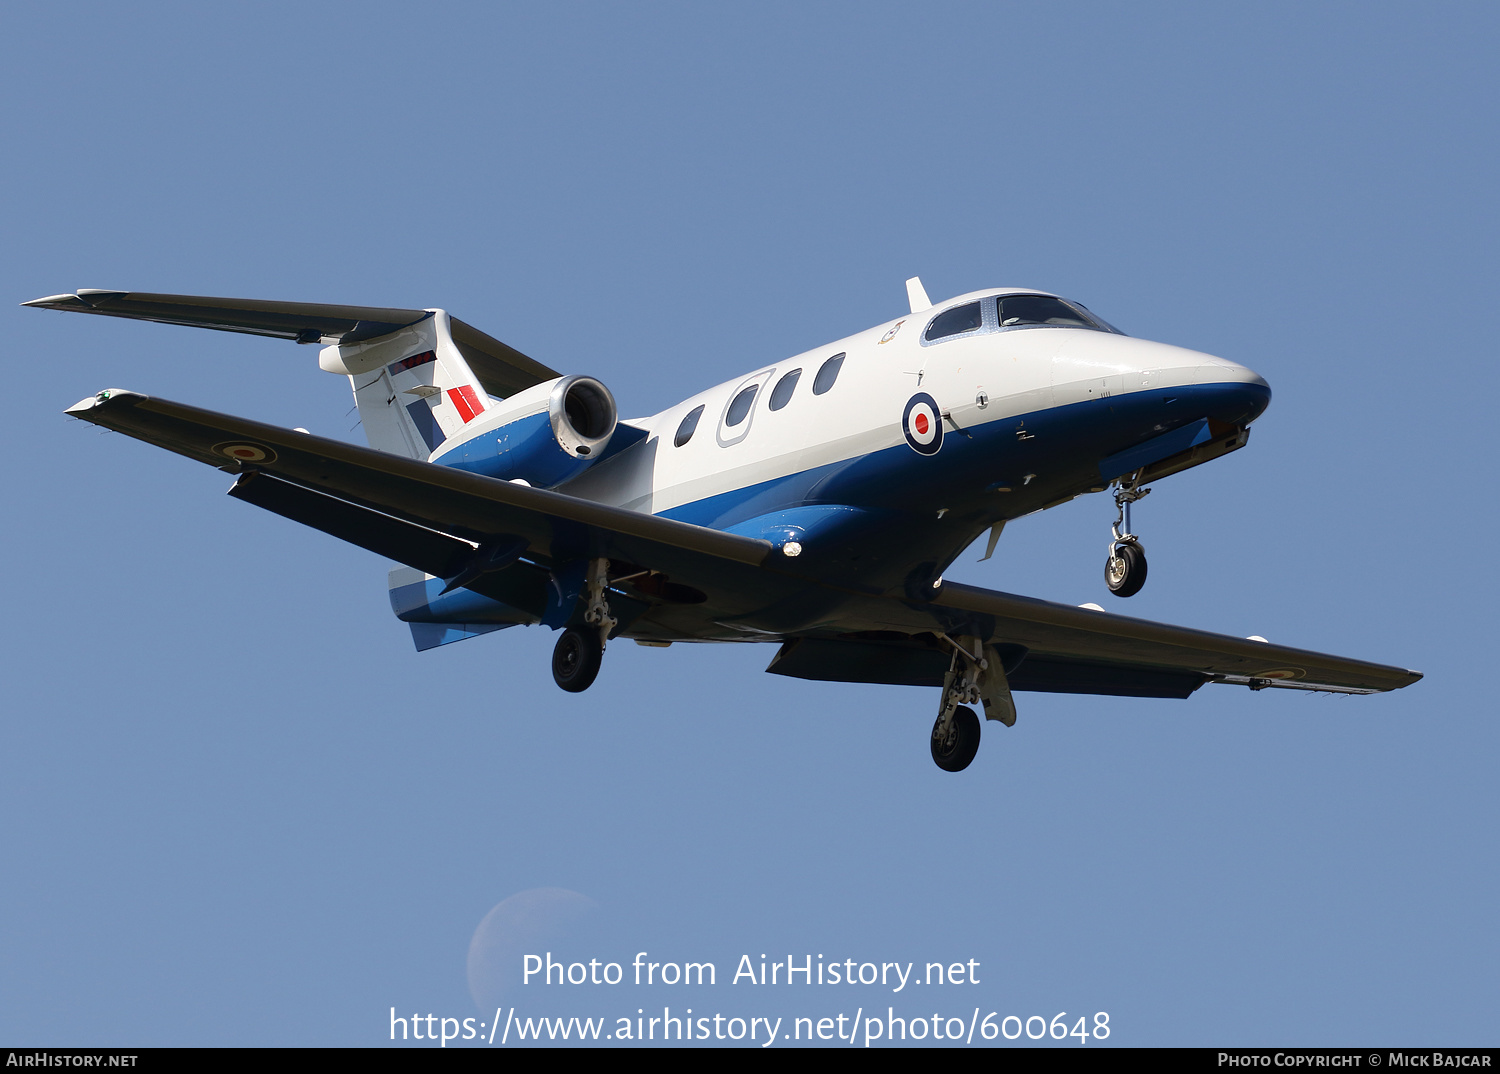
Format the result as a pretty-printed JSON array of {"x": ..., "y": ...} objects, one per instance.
[{"x": 544, "y": 435}]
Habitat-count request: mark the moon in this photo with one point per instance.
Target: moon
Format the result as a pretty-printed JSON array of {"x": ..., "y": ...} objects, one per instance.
[{"x": 530, "y": 922}]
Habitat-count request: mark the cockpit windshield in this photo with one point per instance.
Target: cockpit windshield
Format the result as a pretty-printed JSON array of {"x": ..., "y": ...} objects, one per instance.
[{"x": 1031, "y": 311}]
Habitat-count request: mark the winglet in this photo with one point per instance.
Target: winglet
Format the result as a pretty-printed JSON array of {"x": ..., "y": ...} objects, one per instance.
[{"x": 916, "y": 294}]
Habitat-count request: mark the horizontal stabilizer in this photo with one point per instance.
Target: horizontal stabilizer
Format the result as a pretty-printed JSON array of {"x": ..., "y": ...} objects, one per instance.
[
  {"x": 430, "y": 635},
  {"x": 500, "y": 368}
]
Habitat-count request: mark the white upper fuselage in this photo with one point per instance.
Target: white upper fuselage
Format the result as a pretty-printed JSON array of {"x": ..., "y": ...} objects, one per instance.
[{"x": 991, "y": 374}]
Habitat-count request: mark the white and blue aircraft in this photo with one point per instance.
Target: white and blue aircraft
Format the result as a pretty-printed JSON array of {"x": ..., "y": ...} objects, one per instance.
[{"x": 814, "y": 502}]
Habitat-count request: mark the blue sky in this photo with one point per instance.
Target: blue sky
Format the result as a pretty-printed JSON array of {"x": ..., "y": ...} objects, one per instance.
[{"x": 238, "y": 808}]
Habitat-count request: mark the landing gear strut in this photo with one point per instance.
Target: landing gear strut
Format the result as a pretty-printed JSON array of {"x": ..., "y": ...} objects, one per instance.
[
  {"x": 1125, "y": 569},
  {"x": 580, "y": 650}
]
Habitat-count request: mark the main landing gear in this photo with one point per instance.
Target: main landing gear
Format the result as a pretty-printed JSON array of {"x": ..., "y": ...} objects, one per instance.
[
  {"x": 577, "y": 658},
  {"x": 580, "y": 650},
  {"x": 955, "y": 740},
  {"x": 1125, "y": 569},
  {"x": 975, "y": 676}
]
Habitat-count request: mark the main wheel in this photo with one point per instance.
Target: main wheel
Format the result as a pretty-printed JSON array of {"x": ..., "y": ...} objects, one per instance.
[
  {"x": 576, "y": 660},
  {"x": 1125, "y": 571},
  {"x": 957, "y": 748}
]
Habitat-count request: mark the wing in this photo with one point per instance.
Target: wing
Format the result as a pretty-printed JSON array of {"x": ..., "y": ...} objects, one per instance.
[
  {"x": 1061, "y": 638},
  {"x": 500, "y": 368},
  {"x": 1058, "y": 648},
  {"x": 692, "y": 582},
  {"x": 436, "y": 518}
]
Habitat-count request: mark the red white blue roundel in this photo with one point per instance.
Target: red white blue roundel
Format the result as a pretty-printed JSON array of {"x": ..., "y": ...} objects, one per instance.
[
  {"x": 923, "y": 424},
  {"x": 246, "y": 452}
]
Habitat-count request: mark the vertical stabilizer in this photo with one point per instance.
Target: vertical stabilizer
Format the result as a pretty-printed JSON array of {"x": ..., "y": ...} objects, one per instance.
[{"x": 412, "y": 386}]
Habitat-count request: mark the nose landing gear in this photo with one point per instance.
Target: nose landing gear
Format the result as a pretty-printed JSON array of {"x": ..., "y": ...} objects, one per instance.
[{"x": 1125, "y": 569}]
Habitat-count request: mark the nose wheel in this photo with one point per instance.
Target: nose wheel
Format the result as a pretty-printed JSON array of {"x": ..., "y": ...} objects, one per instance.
[{"x": 1125, "y": 569}]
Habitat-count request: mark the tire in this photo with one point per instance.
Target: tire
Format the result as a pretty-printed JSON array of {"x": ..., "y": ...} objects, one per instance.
[
  {"x": 576, "y": 659},
  {"x": 1125, "y": 571},
  {"x": 954, "y": 754}
]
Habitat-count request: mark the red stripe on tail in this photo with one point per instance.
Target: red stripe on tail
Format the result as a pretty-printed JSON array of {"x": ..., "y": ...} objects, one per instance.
[{"x": 467, "y": 402}]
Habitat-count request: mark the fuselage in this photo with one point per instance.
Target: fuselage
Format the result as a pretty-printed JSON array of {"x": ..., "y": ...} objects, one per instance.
[{"x": 1009, "y": 419}]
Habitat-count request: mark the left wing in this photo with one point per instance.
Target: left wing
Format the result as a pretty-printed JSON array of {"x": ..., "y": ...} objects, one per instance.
[
  {"x": 1058, "y": 648},
  {"x": 1059, "y": 636}
]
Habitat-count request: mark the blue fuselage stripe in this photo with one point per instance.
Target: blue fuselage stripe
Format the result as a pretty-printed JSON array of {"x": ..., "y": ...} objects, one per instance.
[{"x": 1061, "y": 446}]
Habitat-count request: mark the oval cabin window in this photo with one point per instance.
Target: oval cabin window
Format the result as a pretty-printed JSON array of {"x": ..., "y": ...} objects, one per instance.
[
  {"x": 781, "y": 395},
  {"x": 740, "y": 408},
  {"x": 828, "y": 372},
  {"x": 688, "y": 427}
]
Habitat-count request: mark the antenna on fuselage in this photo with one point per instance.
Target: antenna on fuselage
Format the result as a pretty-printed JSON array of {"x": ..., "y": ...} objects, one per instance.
[{"x": 916, "y": 294}]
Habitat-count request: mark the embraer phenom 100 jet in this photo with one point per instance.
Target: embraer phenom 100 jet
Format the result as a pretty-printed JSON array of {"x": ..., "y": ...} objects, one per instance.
[{"x": 814, "y": 502}]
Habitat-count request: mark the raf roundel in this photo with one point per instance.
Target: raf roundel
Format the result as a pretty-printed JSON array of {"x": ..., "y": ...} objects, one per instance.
[
  {"x": 923, "y": 424},
  {"x": 245, "y": 452}
]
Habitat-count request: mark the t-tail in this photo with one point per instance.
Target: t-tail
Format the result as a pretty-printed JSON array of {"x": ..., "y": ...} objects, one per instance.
[{"x": 413, "y": 387}]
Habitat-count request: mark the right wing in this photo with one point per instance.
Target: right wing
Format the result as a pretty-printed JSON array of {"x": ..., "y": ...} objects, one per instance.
[{"x": 500, "y": 368}]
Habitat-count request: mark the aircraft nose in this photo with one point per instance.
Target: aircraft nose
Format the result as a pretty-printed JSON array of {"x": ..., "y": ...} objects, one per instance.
[{"x": 1235, "y": 394}]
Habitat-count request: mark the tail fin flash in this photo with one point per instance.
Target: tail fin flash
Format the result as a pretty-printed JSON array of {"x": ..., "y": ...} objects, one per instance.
[{"x": 413, "y": 387}]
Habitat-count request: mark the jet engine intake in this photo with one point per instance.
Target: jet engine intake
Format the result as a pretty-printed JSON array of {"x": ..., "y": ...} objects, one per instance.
[
  {"x": 583, "y": 415},
  {"x": 545, "y": 435}
]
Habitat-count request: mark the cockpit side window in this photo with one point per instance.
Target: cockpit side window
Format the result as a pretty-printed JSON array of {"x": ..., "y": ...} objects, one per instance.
[{"x": 954, "y": 322}]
